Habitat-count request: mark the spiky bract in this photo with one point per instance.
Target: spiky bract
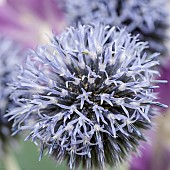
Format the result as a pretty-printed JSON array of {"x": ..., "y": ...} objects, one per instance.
[
  {"x": 91, "y": 94},
  {"x": 145, "y": 17},
  {"x": 9, "y": 53}
]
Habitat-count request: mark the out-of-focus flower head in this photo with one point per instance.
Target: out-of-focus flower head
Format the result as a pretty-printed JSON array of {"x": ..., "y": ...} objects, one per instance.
[
  {"x": 91, "y": 96},
  {"x": 145, "y": 17},
  {"x": 144, "y": 159},
  {"x": 155, "y": 154},
  {"x": 29, "y": 21},
  {"x": 164, "y": 90},
  {"x": 9, "y": 53}
]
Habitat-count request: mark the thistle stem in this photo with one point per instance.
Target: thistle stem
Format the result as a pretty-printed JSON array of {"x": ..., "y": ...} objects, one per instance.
[
  {"x": 124, "y": 166},
  {"x": 10, "y": 163}
]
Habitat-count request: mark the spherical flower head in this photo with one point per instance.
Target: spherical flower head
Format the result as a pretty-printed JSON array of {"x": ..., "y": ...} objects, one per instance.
[
  {"x": 8, "y": 60},
  {"x": 147, "y": 17},
  {"x": 91, "y": 92}
]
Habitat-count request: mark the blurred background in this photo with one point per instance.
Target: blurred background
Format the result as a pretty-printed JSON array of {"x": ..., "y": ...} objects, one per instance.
[{"x": 32, "y": 22}]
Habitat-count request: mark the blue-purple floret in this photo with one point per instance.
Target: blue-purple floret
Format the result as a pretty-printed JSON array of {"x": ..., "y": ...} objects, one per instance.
[
  {"x": 9, "y": 53},
  {"x": 145, "y": 17},
  {"x": 91, "y": 96}
]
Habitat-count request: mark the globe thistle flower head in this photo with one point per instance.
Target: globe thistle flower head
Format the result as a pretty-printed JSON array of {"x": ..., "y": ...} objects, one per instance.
[
  {"x": 8, "y": 60},
  {"x": 91, "y": 92},
  {"x": 147, "y": 18}
]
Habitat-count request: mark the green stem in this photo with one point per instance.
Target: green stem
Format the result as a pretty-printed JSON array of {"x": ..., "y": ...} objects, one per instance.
[
  {"x": 124, "y": 166},
  {"x": 10, "y": 163}
]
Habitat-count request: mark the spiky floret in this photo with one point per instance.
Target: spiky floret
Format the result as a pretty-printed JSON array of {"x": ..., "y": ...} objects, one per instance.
[
  {"x": 146, "y": 17},
  {"x": 91, "y": 92},
  {"x": 9, "y": 53}
]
